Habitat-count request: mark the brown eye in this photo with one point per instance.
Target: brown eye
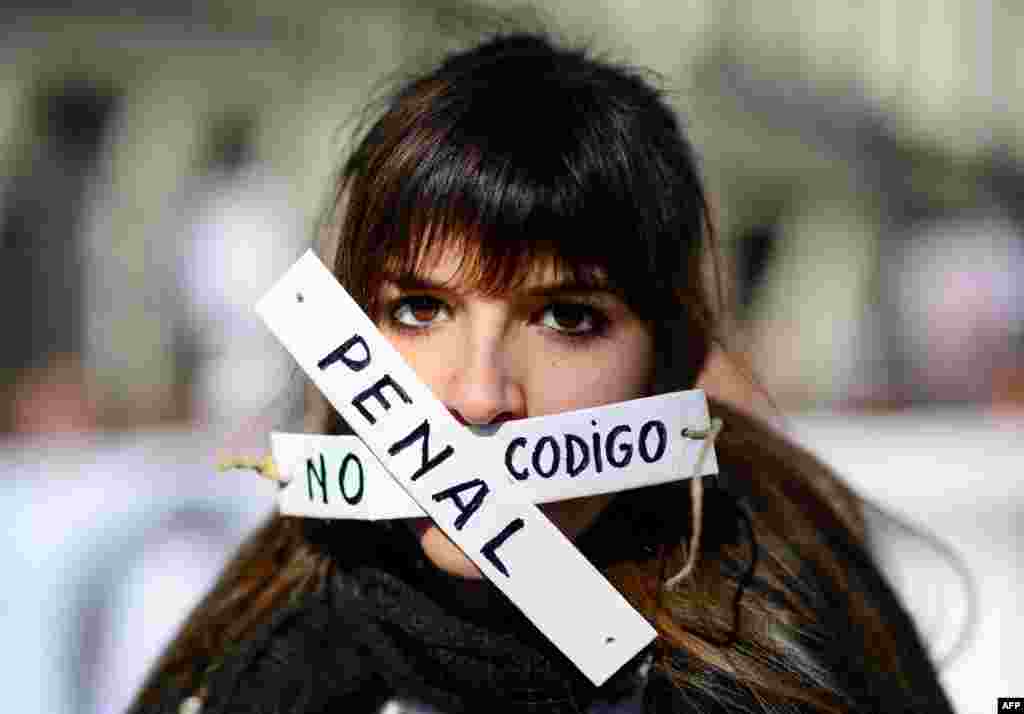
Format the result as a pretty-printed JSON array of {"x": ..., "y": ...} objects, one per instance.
[
  {"x": 570, "y": 317},
  {"x": 417, "y": 311},
  {"x": 424, "y": 309}
]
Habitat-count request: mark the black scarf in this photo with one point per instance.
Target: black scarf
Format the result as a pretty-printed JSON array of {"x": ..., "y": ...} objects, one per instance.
[{"x": 389, "y": 625}]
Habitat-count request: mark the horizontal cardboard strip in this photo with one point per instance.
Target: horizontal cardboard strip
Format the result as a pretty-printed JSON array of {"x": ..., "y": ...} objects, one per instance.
[{"x": 586, "y": 452}]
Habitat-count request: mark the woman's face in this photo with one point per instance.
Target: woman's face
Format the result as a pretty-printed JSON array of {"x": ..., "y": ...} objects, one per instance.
[{"x": 544, "y": 348}]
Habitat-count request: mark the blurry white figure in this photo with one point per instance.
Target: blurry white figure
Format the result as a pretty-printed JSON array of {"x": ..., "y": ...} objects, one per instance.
[{"x": 243, "y": 233}]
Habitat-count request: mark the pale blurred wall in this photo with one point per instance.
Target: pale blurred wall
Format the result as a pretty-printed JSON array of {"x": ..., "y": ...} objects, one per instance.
[{"x": 787, "y": 103}]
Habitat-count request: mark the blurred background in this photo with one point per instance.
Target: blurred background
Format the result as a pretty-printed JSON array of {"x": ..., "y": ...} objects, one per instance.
[{"x": 161, "y": 164}]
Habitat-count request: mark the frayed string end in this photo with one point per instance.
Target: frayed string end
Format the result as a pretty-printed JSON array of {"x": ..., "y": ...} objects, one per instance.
[
  {"x": 265, "y": 467},
  {"x": 696, "y": 500}
]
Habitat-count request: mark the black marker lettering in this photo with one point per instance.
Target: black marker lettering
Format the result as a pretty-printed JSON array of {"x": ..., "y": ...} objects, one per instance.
[
  {"x": 427, "y": 462},
  {"x": 341, "y": 353},
  {"x": 494, "y": 543},
  {"x": 626, "y": 449},
  {"x": 465, "y": 511},
  {"x": 555, "y": 456},
  {"x": 343, "y": 472},
  {"x": 376, "y": 390},
  {"x": 570, "y": 462},
  {"x": 597, "y": 449},
  {"x": 321, "y": 478},
  {"x": 516, "y": 443},
  {"x": 662, "y": 440}
]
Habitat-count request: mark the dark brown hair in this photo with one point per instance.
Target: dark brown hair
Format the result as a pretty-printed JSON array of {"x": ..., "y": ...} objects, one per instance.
[{"x": 518, "y": 150}]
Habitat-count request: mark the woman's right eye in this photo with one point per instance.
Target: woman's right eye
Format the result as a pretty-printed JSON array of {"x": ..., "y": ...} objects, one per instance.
[{"x": 417, "y": 311}]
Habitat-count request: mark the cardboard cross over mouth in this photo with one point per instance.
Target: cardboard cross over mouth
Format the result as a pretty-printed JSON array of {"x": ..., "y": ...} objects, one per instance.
[{"x": 459, "y": 478}]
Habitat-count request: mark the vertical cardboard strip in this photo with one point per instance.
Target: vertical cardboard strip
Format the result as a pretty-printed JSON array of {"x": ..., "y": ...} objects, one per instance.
[{"x": 442, "y": 466}]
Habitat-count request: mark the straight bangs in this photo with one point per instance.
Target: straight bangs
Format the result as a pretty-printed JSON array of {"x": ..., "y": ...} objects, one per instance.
[{"x": 434, "y": 183}]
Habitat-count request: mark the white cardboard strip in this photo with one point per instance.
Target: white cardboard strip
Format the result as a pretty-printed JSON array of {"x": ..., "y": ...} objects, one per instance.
[
  {"x": 448, "y": 472},
  {"x": 337, "y": 477},
  {"x": 585, "y": 452}
]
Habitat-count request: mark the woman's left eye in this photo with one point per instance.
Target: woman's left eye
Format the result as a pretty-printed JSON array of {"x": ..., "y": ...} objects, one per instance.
[{"x": 572, "y": 318}]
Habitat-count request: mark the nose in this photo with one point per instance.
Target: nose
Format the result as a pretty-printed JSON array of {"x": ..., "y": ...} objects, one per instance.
[{"x": 484, "y": 387}]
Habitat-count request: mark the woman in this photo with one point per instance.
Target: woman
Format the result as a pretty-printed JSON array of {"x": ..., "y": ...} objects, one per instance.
[{"x": 527, "y": 226}]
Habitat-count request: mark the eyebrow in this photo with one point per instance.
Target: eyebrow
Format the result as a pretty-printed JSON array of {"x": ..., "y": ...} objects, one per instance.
[{"x": 568, "y": 285}]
